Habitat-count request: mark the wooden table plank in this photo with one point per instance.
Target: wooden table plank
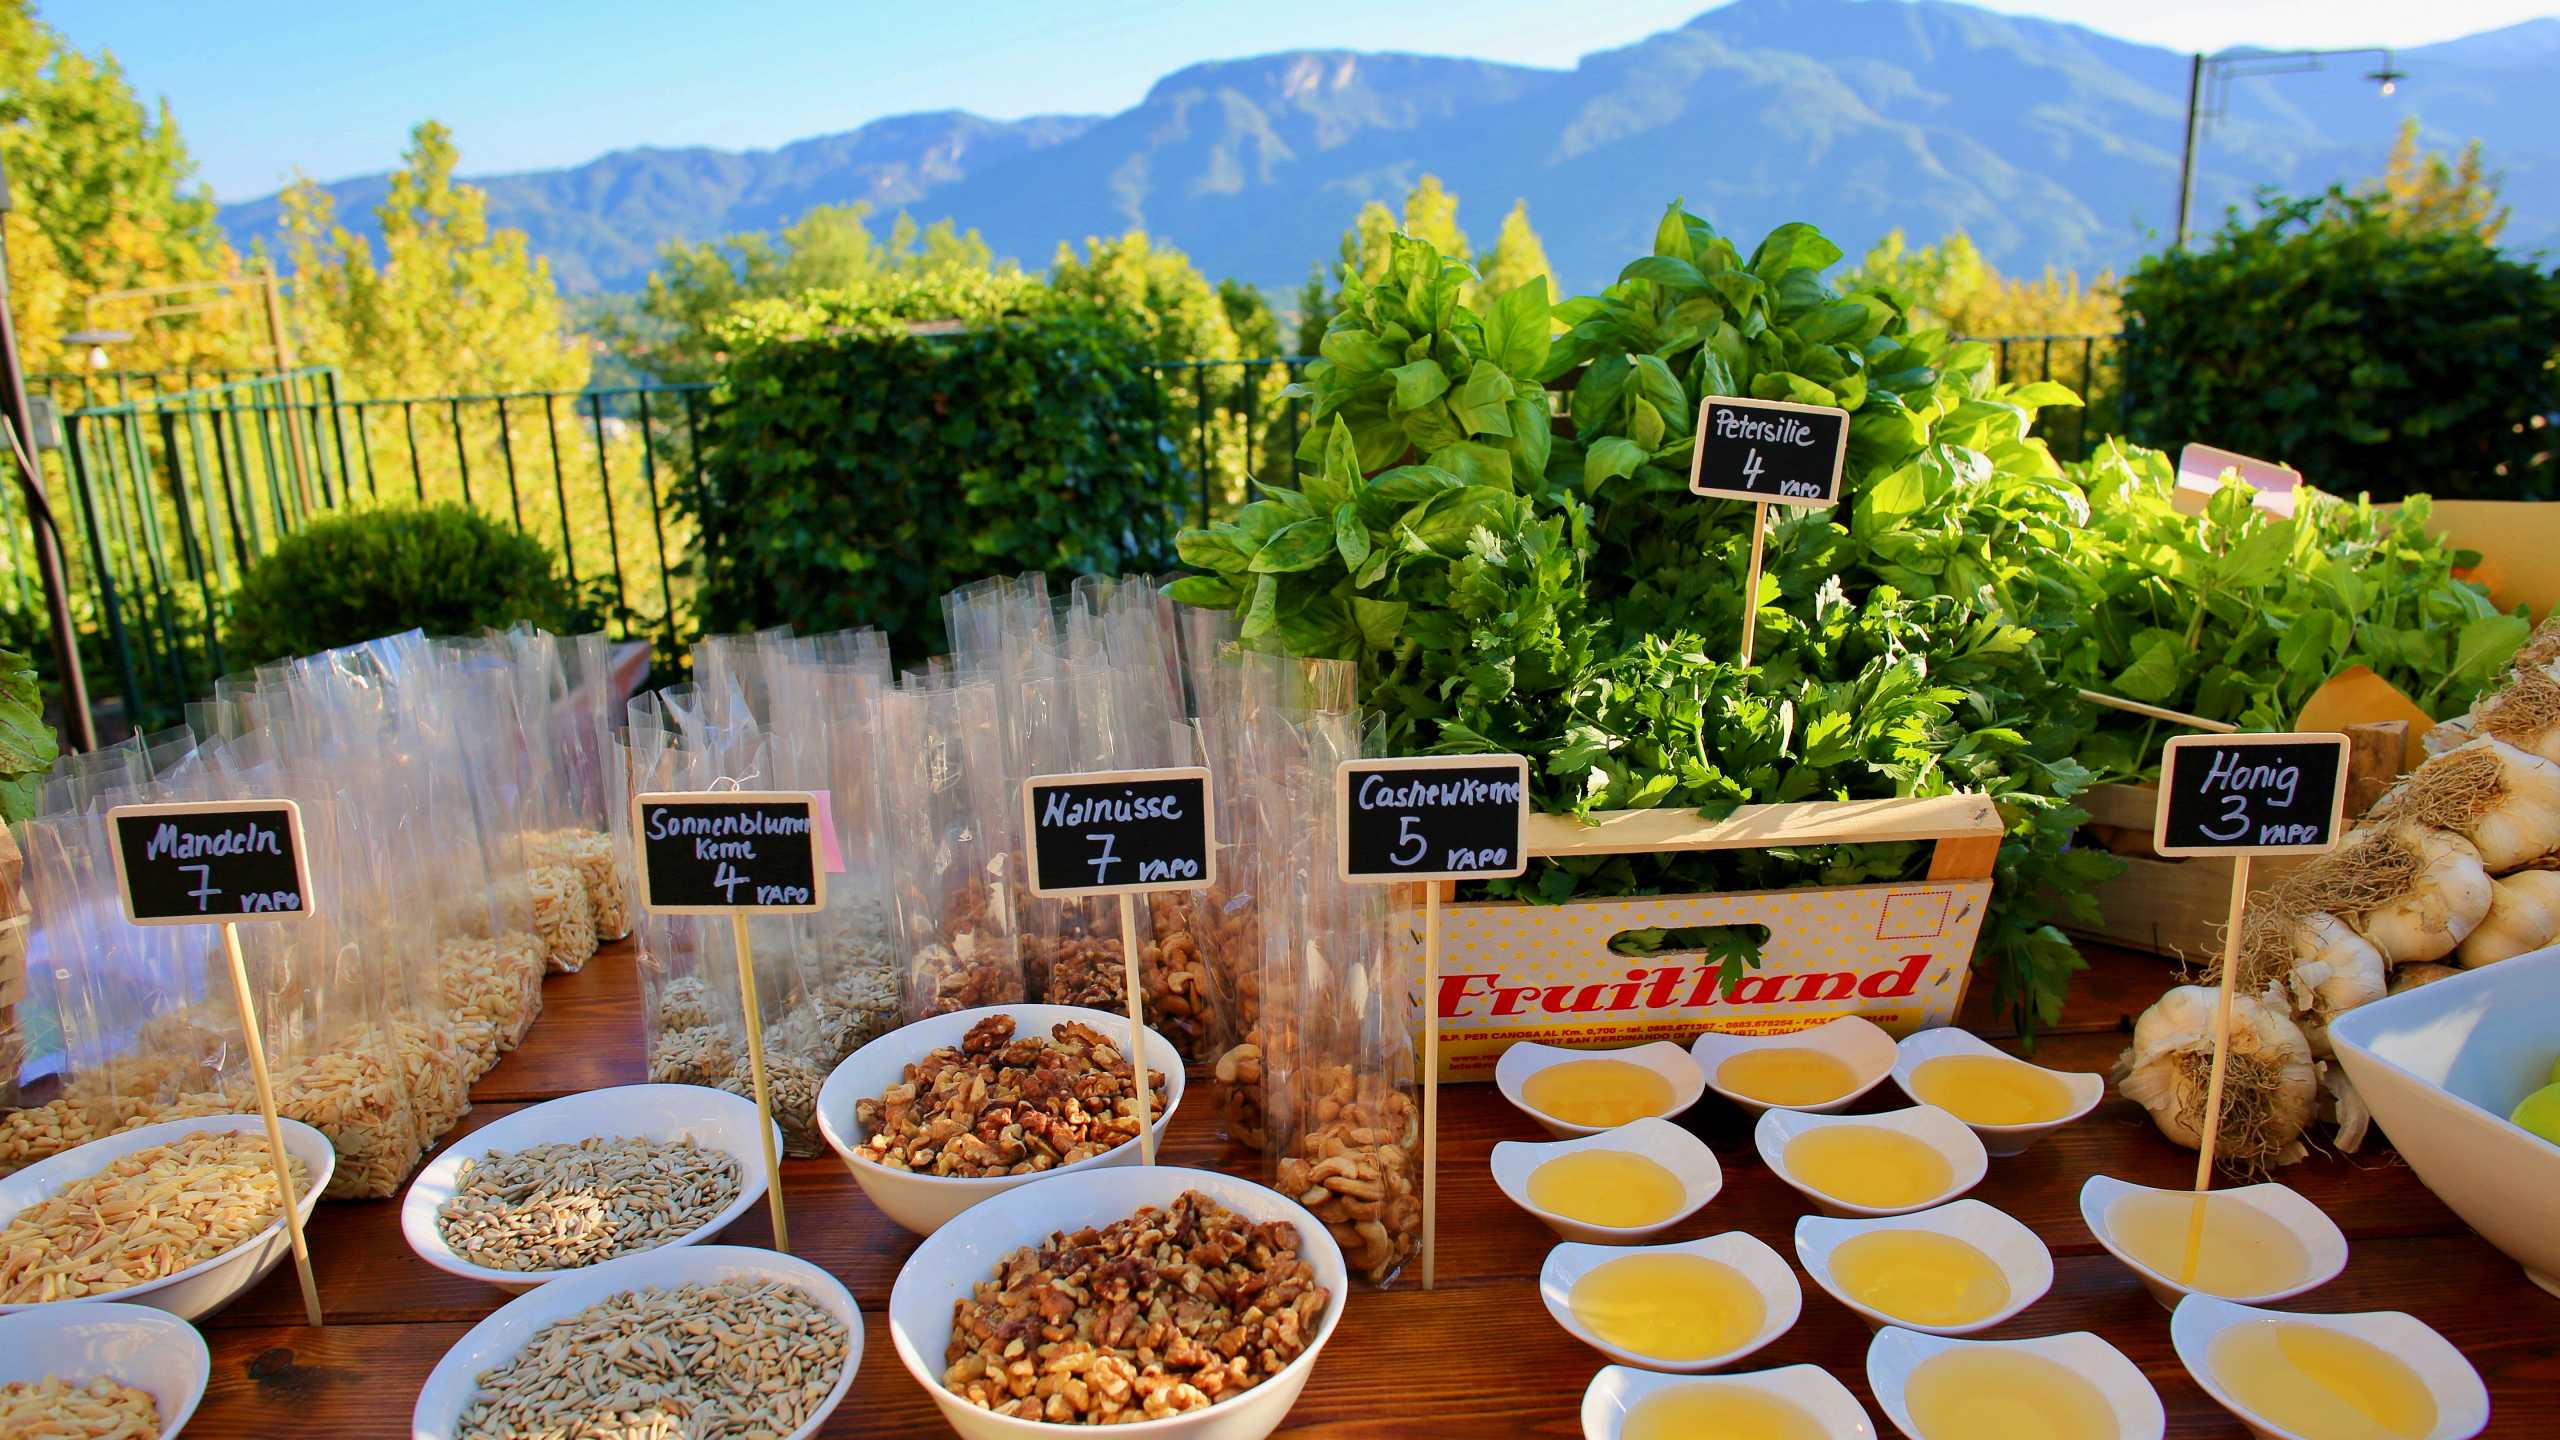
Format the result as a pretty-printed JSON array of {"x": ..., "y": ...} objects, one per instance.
[{"x": 1405, "y": 1362}]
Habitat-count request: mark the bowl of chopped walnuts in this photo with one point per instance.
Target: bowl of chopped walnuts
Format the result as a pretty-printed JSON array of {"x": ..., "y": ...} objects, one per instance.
[
  {"x": 1165, "y": 1300},
  {"x": 940, "y": 1115},
  {"x": 571, "y": 1183}
]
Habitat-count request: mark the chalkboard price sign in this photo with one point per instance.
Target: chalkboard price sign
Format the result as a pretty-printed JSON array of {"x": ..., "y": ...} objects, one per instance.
[
  {"x": 723, "y": 852},
  {"x": 2251, "y": 794},
  {"x": 206, "y": 862},
  {"x": 1114, "y": 832},
  {"x": 1773, "y": 451},
  {"x": 1432, "y": 817}
]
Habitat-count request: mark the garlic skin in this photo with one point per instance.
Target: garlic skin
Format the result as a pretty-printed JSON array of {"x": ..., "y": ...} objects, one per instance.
[
  {"x": 2410, "y": 977},
  {"x": 2449, "y": 734},
  {"x": 2334, "y": 971},
  {"x": 2345, "y": 1108},
  {"x": 2524, "y": 916},
  {"x": 2165, "y": 1072},
  {"x": 2450, "y": 896},
  {"x": 2525, "y": 826}
]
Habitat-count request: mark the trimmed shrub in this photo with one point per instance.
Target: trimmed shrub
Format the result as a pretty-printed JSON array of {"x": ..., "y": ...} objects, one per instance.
[
  {"x": 360, "y": 574},
  {"x": 854, "y": 471},
  {"x": 2369, "y": 358}
]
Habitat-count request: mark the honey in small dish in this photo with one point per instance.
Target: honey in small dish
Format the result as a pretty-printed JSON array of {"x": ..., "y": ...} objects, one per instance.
[
  {"x": 1599, "y": 1093},
  {"x": 1668, "y": 1305},
  {"x": 1920, "y": 1277},
  {"x": 1607, "y": 1187},
  {"x": 1869, "y": 1165},
  {"x": 1990, "y": 1090},
  {"x": 1786, "y": 1075},
  {"x": 1994, "y": 1392},
  {"x": 1723, "y": 1412},
  {"x": 2320, "y": 1382},
  {"x": 2245, "y": 1251}
]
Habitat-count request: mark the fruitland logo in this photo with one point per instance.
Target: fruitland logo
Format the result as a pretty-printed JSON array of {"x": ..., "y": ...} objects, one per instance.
[{"x": 1672, "y": 987}]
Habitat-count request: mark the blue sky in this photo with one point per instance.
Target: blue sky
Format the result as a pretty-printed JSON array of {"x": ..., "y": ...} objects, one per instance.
[{"x": 331, "y": 88}]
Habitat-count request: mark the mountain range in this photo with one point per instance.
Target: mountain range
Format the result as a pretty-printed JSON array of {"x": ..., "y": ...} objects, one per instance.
[{"x": 2049, "y": 143}]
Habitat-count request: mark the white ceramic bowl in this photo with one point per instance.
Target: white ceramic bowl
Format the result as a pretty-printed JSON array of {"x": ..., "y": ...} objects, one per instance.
[
  {"x": 207, "y": 1285},
  {"x": 136, "y": 1345},
  {"x": 2462, "y": 1402},
  {"x": 1896, "y": 1352},
  {"x": 1853, "y": 1040},
  {"x": 1927, "y": 1124},
  {"x": 2022, "y": 1259},
  {"x": 1619, "y": 1389},
  {"x": 712, "y": 1118},
  {"x": 924, "y": 1203},
  {"x": 1665, "y": 1144},
  {"x": 2087, "y": 1087},
  {"x": 496, "y": 1340},
  {"x": 1781, "y": 1299},
  {"x": 2323, "y": 1243},
  {"x": 952, "y": 1260},
  {"x": 1661, "y": 1057},
  {"x": 2441, "y": 1067}
]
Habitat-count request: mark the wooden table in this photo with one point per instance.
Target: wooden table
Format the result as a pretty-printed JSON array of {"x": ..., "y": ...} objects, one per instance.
[{"x": 1478, "y": 1356}]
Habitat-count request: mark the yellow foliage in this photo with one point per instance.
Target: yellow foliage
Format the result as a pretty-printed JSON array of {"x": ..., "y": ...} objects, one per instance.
[
  {"x": 1950, "y": 285},
  {"x": 2420, "y": 192}
]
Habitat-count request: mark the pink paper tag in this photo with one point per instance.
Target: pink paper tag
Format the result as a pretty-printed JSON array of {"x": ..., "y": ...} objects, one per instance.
[{"x": 830, "y": 850}]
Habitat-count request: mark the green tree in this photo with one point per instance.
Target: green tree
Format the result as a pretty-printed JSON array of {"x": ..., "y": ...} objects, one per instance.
[
  {"x": 1518, "y": 256},
  {"x": 2421, "y": 191},
  {"x": 1249, "y": 316},
  {"x": 453, "y": 307},
  {"x": 1368, "y": 243},
  {"x": 1315, "y": 310},
  {"x": 1431, "y": 214}
]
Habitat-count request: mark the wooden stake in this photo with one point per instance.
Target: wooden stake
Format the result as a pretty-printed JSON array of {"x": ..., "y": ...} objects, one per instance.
[
  {"x": 2221, "y": 1062},
  {"x": 2174, "y": 717},
  {"x": 1751, "y": 580},
  {"x": 275, "y": 1130},
  {"x": 1137, "y": 1028},
  {"x": 755, "y": 1067},
  {"x": 1430, "y": 1082}
]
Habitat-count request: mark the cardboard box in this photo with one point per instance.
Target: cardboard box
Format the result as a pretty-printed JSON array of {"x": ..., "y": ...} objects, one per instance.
[{"x": 1898, "y": 954}]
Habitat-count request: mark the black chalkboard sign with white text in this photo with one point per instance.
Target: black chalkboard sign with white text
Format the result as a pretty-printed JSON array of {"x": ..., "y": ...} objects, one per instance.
[
  {"x": 2282, "y": 794},
  {"x": 1774, "y": 451},
  {"x": 206, "y": 862},
  {"x": 721, "y": 852},
  {"x": 1115, "y": 832},
  {"x": 1432, "y": 817}
]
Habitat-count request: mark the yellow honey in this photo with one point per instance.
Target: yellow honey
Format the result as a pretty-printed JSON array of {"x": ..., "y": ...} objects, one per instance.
[
  {"x": 1786, "y": 1075},
  {"x": 1597, "y": 1093},
  {"x": 1668, "y": 1305},
  {"x": 2317, "y": 1382},
  {"x": 1995, "y": 1393},
  {"x": 1607, "y": 1187},
  {"x": 1920, "y": 1277},
  {"x": 2245, "y": 1251},
  {"x": 1869, "y": 1165},
  {"x": 1990, "y": 1090},
  {"x": 1717, "y": 1412}
]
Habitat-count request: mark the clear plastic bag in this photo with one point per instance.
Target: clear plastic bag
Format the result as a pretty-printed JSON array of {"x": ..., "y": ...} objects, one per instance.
[{"x": 953, "y": 866}]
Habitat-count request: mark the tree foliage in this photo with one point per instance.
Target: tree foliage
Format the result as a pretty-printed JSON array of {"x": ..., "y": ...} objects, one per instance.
[
  {"x": 2420, "y": 190},
  {"x": 1950, "y": 284},
  {"x": 452, "y": 307},
  {"x": 1518, "y": 256}
]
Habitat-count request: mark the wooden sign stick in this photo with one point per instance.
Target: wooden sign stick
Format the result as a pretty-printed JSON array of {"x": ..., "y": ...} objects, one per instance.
[
  {"x": 1430, "y": 1081},
  {"x": 1137, "y": 1028},
  {"x": 2221, "y": 1063},
  {"x": 2174, "y": 717},
  {"x": 1751, "y": 580},
  {"x": 755, "y": 1067},
  {"x": 275, "y": 1131}
]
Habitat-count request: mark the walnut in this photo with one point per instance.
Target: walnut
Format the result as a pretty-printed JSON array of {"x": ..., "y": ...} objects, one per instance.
[{"x": 998, "y": 1104}]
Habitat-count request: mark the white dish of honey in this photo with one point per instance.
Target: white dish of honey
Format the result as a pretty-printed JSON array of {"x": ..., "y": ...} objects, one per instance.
[
  {"x": 2377, "y": 1376},
  {"x": 2009, "y": 1103},
  {"x": 1697, "y": 1305},
  {"x": 1793, "y": 1402},
  {"x": 1614, "y": 1188},
  {"x": 1861, "y": 1166},
  {"x": 2053, "y": 1387},
  {"x": 1819, "y": 1070},
  {"x": 1573, "y": 1093},
  {"x": 1959, "y": 1268},
  {"x": 2260, "y": 1243}
]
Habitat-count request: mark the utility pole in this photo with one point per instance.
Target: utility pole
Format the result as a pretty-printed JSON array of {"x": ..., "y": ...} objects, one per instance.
[
  {"x": 2187, "y": 162},
  {"x": 57, "y": 593}
]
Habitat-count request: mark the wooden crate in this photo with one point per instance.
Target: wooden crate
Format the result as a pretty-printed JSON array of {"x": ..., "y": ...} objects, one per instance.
[{"x": 1898, "y": 953}]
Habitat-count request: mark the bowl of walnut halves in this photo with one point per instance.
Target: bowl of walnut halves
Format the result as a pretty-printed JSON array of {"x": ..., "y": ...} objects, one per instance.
[
  {"x": 1183, "y": 1302},
  {"x": 937, "y": 1116}
]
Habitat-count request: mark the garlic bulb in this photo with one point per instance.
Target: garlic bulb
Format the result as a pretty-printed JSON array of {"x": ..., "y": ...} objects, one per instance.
[
  {"x": 2504, "y": 801},
  {"x": 2410, "y": 977},
  {"x": 2449, "y": 734},
  {"x": 2270, "y": 1087},
  {"x": 2428, "y": 887},
  {"x": 2334, "y": 971},
  {"x": 2526, "y": 712},
  {"x": 2345, "y": 1108},
  {"x": 2524, "y": 915}
]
